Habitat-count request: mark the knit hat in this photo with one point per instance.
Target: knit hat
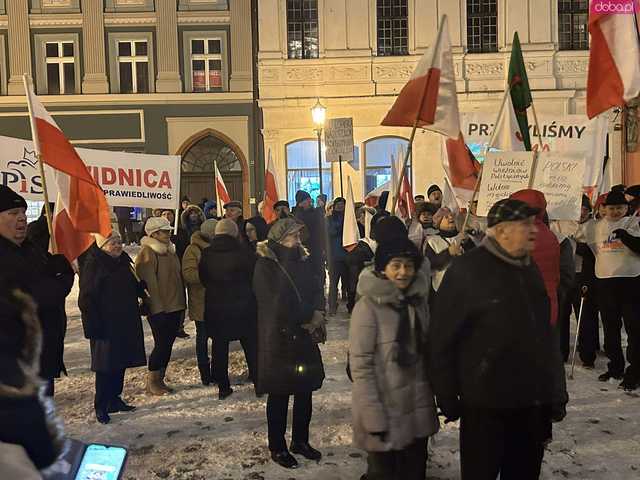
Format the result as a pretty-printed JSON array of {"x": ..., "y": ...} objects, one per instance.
[
  {"x": 510, "y": 210},
  {"x": 208, "y": 228},
  {"x": 615, "y": 197},
  {"x": 155, "y": 224},
  {"x": 399, "y": 247},
  {"x": 433, "y": 188},
  {"x": 388, "y": 229},
  {"x": 228, "y": 227},
  {"x": 426, "y": 207},
  {"x": 283, "y": 227},
  {"x": 301, "y": 196},
  {"x": 339, "y": 199},
  {"x": 10, "y": 199},
  {"x": 102, "y": 241},
  {"x": 586, "y": 203},
  {"x": 281, "y": 203}
]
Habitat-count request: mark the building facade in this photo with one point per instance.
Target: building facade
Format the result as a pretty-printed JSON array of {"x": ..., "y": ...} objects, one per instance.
[
  {"x": 356, "y": 55},
  {"x": 164, "y": 77}
]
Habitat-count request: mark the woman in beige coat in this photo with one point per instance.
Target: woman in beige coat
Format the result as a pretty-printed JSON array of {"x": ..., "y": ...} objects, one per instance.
[
  {"x": 393, "y": 406},
  {"x": 190, "y": 261},
  {"x": 159, "y": 267}
]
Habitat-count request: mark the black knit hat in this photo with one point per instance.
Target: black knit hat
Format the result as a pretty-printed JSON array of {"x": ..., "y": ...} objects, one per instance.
[
  {"x": 388, "y": 228},
  {"x": 426, "y": 207},
  {"x": 615, "y": 197},
  {"x": 433, "y": 188},
  {"x": 10, "y": 199},
  {"x": 281, "y": 203},
  {"x": 399, "y": 247},
  {"x": 339, "y": 199},
  {"x": 301, "y": 196}
]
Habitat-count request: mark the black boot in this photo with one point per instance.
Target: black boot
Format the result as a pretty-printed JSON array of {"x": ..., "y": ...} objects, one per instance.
[
  {"x": 102, "y": 416},
  {"x": 118, "y": 405},
  {"x": 205, "y": 373},
  {"x": 224, "y": 393},
  {"x": 284, "y": 459},
  {"x": 306, "y": 450}
]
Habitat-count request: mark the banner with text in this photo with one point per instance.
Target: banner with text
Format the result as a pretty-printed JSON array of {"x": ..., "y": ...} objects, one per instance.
[
  {"x": 338, "y": 139},
  {"x": 128, "y": 179},
  {"x": 557, "y": 176}
]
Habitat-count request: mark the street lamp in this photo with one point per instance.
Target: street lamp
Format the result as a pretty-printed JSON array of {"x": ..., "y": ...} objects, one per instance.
[{"x": 318, "y": 113}]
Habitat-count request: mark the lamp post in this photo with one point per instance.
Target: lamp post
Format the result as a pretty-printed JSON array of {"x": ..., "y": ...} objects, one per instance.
[{"x": 318, "y": 113}]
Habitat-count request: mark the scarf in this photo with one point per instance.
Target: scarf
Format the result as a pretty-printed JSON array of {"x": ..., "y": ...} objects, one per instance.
[
  {"x": 494, "y": 247},
  {"x": 448, "y": 233},
  {"x": 409, "y": 339}
]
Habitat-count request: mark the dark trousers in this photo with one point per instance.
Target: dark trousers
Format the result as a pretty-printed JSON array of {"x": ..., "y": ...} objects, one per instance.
[
  {"x": 126, "y": 230},
  {"x": 277, "y": 407},
  {"x": 202, "y": 343},
  {"x": 619, "y": 301},
  {"x": 108, "y": 387},
  {"x": 164, "y": 327},
  {"x": 589, "y": 335},
  {"x": 509, "y": 442},
  {"x": 221, "y": 359},
  {"x": 338, "y": 271},
  {"x": 410, "y": 463}
]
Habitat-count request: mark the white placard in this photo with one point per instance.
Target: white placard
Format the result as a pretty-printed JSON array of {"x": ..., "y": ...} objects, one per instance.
[
  {"x": 503, "y": 173},
  {"x": 338, "y": 138},
  {"x": 560, "y": 179},
  {"x": 128, "y": 179}
]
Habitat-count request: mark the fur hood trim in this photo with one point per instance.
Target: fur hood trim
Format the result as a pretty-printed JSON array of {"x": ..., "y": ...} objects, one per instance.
[
  {"x": 184, "y": 216},
  {"x": 263, "y": 250},
  {"x": 199, "y": 240},
  {"x": 157, "y": 246},
  {"x": 29, "y": 360}
]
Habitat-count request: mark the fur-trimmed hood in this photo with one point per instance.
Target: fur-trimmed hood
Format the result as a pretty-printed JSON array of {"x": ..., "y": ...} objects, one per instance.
[
  {"x": 20, "y": 363},
  {"x": 199, "y": 240},
  {"x": 264, "y": 250},
  {"x": 157, "y": 246},
  {"x": 184, "y": 216}
]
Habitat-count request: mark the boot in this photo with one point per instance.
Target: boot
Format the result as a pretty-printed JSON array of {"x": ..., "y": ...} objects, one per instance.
[
  {"x": 163, "y": 385},
  {"x": 154, "y": 385},
  {"x": 205, "y": 373}
]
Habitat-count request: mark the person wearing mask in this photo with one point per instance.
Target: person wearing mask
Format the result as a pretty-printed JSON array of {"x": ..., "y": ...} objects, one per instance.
[
  {"x": 338, "y": 268},
  {"x": 159, "y": 267},
  {"x": 191, "y": 219},
  {"x": 387, "y": 347},
  {"x": 615, "y": 242},
  {"x": 190, "y": 262},
  {"x": 290, "y": 324},
  {"x": 493, "y": 359},
  {"x": 45, "y": 277},
  {"x": 38, "y": 230},
  {"x": 108, "y": 301},
  {"x": 434, "y": 195},
  {"x": 226, "y": 271},
  {"x": 256, "y": 229}
]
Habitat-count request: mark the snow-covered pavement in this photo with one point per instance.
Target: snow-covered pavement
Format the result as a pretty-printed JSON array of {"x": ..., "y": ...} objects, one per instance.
[{"x": 191, "y": 435}]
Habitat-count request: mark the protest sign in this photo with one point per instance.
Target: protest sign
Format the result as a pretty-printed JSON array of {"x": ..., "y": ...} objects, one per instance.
[
  {"x": 503, "y": 174},
  {"x": 338, "y": 139},
  {"x": 128, "y": 179}
]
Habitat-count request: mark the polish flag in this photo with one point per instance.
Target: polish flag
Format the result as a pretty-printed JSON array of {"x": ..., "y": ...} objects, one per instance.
[
  {"x": 405, "y": 206},
  {"x": 81, "y": 207},
  {"x": 614, "y": 61},
  {"x": 461, "y": 167},
  {"x": 270, "y": 191},
  {"x": 350, "y": 231},
  {"x": 371, "y": 200},
  {"x": 222, "y": 193}
]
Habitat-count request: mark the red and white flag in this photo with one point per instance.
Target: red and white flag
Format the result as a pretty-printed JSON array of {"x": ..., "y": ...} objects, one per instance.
[
  {"x": 270, "y": 191},
  {"x": 81, "y": 206},
  {"x": 371, "y": 200},
  {"x": 350, "y": 230},
  {"x": 614, "y": 60},
  {"x": 405, "y": 206},
  {"x": 222, "y": 194}
]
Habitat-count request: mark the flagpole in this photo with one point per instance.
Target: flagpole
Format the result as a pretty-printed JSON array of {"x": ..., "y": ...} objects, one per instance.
[
  {"x": 535, "y": 154},
  {"x": 36, "y": 145},
  {"x": 215, "y": 188}
]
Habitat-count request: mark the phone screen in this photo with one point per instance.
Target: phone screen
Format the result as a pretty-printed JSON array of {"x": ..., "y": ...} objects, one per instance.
[{"x": 101, "y": 462}]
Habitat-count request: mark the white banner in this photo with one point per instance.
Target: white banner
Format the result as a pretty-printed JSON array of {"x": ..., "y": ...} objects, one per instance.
[
  {"x": 128, "y": 179},
  {"x": 574, "y": 134},
  {"x": 338, "y": 138},
  {"x": 503, "y": 173}
]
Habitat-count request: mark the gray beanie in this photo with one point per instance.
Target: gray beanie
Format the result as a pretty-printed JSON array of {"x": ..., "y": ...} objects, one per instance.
[
  {"x": 208, "y": 228},
  {"x": 227, "y": 227}
]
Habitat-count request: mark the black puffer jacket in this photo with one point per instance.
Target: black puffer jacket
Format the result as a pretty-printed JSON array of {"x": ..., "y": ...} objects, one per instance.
[
  {"x": 108, "y": 300},
  {"x": 48, "y": 279},
  {"x": 289, "y": 361},
  {"x": 226, "y": 271}
]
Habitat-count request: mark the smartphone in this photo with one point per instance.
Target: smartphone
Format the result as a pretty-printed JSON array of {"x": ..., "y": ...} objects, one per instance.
[{"x": 102, "y": 462}]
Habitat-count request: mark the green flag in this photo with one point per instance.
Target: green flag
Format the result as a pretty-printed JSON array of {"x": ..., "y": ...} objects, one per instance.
[{"x": 520, "y": 91}]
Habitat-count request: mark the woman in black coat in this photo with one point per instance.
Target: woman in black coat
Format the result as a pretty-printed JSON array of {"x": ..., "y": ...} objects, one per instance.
[
  {"x": 226, "y": 270},
  {"x": 290, "y": 324},
  {"x": 108, "y": 300}
]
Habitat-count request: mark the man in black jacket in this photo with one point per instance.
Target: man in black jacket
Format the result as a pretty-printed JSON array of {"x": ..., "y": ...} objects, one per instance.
[
  {"x": 47, "y": 278},
  {"x": 494, "y": 360}
]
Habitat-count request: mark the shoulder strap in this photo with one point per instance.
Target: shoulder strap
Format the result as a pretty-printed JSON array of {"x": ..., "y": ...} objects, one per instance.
[{"x": 284, "y": 270}]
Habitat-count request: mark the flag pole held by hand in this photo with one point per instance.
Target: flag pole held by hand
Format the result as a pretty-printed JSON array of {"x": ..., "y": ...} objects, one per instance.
[{"x": 583, "y": 294}]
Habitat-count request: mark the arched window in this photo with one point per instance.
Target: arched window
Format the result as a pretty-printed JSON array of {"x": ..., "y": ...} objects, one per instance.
[
  {"x": 377, "y": 154},
  {"x": 302, "y": 171}
]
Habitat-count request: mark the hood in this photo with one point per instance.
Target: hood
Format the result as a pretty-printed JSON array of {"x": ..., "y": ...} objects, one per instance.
[
  {"x": 209, "y": 207},
  {"x": 199, "y": 240},
  {"x": 533, "y": 198},
  {"x": 265, "y": 251},
  {"x": 184, "y": 216},
  {"x": 157, "y": 246},
  {"x": 382, "y": 291}
]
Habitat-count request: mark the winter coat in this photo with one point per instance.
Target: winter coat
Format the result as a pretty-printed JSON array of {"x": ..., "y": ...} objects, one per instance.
[
  {"x": 24, "y": 420},
  {"x": 48, "y": 279},
  {"x": 388, "y": 397},
  {"x": 187, "y": 228},
  {"x": 190, "y": 262},
  {"x": 335, "y": 226},
  {"x": 159, "y": 267},
  {"x": 38, "y": 233},
  {"x": 490, "y": 340},
  {"x": 226, "y": 271},
  {"x": 357, "y": 259},
  {"x": 289, "y": 362},
  {"x": 314, "y": 235},
  {"x": 108, "y": 301}
]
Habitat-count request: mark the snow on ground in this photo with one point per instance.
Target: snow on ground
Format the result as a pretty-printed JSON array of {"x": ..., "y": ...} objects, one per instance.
[{"x": 191, "y": 435}]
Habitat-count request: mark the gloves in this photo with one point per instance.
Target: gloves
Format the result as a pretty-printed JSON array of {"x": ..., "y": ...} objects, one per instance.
[
  {"x": 59, "y": 265},
  {"x": 558, "y": 412},
  {"x": 450, "y": 408}
]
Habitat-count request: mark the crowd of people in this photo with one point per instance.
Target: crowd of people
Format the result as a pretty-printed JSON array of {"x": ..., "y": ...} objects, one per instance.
[{"x": 451, "y": 314}]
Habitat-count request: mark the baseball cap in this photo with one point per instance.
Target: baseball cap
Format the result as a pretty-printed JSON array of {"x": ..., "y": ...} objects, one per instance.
[{"x": 510, "y": 210}]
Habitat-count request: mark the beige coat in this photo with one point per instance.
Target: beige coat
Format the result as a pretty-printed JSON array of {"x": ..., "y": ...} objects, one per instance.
[
  {"x": 190, "y": 262},
  {"x": 158, "y": 265},
  {"x": 388, "y": 397}
]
